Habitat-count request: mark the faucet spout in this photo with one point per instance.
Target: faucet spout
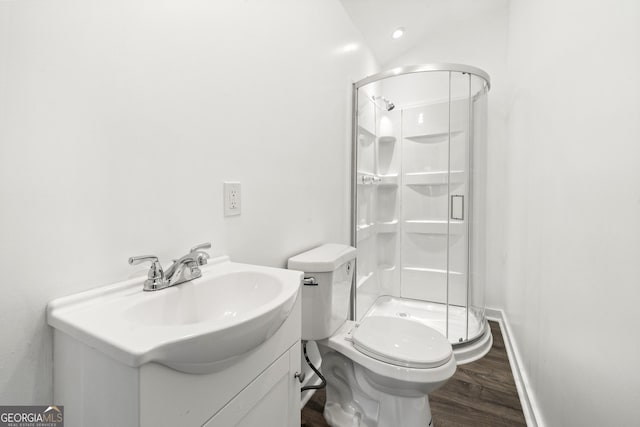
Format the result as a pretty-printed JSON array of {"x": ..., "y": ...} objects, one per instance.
[{"x": 183, "y": 270}]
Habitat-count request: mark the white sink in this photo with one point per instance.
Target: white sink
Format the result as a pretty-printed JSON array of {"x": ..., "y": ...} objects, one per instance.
[{"x": 196, "y": 327}]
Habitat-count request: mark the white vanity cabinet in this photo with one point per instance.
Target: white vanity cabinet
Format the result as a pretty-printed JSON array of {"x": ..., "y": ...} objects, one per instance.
[
  {"x": 112, "y": 365},
  {"x": 256, "y": 389},
  {"x": 272, "y": 399}
]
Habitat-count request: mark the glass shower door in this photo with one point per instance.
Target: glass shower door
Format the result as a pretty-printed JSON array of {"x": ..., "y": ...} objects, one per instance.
[
  {"x": 425, "y": 201},
  {"x": 478, "y": 197},
  {"x": 459, "y": 208}
]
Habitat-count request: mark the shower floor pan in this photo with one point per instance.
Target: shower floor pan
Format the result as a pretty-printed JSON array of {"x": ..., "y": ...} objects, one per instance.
[{"x": 434, "y": 315}]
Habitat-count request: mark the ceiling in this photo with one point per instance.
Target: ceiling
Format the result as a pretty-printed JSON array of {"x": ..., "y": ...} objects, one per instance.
[{"x": 377, "y": 19}]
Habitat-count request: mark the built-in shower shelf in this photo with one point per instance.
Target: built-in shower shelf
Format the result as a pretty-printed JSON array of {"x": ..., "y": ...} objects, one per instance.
[
  {"x": 431, "y": 138},
  {"x": 366, "y": 133},
  {"x": 434, "y": 178},
  {"x": 387, "y": 227},
  {"x": 362, "y": 280},
  {"x": 365, "y": 231},
  {"x": 387, "y": 139},
  {"x": 386, "y": 267},
  {"x": 434, "y": 227}
]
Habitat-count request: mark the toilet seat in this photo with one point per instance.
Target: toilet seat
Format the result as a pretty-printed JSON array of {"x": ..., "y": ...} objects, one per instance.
[
  {"x": 401, "y": 342},
  {"x": 403, "y": 377}
]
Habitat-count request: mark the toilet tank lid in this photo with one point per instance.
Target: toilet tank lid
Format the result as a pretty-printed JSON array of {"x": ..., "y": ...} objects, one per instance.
[{"x": 324, "y": 258}]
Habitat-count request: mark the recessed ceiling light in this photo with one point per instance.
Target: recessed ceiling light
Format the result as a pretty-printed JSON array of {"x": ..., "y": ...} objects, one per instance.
[{"x": 399, "y": 32}]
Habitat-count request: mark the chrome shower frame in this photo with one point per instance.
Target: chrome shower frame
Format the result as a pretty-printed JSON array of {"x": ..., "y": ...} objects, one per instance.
[{"x": 394, "y": 72}]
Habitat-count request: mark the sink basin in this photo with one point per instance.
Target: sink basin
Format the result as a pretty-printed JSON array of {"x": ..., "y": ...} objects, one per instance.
[
  {"x": 225, "y": 298},
  {"x": 196, "y": 327}
]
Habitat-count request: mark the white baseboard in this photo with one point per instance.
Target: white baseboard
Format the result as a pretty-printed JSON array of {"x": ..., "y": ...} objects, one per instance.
[{"x": 527, "y": 400}]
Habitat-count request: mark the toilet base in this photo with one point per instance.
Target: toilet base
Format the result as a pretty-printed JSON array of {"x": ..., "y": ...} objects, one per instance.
[
  {"x": 352, "y": 401},
  {"x": 336, "y": 416}
]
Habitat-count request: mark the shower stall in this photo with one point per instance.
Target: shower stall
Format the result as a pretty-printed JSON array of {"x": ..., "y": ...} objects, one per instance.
[{"x": 418, "y": 205}]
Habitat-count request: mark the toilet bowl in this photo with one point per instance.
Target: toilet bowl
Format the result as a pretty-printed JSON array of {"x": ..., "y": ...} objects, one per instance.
[
  {"x": 384, "y": 389},
  {"x": 380, "y": 370}
]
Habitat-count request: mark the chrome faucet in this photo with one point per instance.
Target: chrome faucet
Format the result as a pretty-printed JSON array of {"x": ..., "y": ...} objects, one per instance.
[{"x": 182, "y": 270}]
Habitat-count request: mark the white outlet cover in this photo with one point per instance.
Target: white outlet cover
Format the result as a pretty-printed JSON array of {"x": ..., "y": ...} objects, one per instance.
[{"x": 232, "y": 198}]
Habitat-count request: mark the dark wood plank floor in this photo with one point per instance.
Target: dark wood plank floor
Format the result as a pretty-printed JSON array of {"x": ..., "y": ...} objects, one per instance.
[{"x": 480, "y": 394}]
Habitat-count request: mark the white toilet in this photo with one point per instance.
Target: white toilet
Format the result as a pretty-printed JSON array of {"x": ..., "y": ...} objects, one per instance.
[{"x": 379, "y": 371}]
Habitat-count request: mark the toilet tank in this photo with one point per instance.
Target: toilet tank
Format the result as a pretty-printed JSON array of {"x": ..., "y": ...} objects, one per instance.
[{"x": 325, "y": 304}]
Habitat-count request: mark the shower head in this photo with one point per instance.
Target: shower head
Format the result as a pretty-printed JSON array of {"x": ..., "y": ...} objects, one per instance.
[{"x": 388, "y": 105}]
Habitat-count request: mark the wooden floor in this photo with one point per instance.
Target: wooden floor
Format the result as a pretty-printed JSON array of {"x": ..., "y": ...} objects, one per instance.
[{"x": 480, "y": 394}]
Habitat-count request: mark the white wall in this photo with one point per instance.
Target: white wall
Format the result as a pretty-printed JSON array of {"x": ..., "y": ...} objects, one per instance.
[
  {"x": 572, "y": 208},
  {"x": 119, "y": 120},
  {"x": 480, "y": 42}
]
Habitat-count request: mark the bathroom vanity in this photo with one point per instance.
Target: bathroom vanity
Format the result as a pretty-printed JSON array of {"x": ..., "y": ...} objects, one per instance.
[{"x": 222, "y": 350}]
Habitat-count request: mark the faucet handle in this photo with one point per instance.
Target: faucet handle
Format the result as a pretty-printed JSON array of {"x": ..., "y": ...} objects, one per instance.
[
  {"x": 155, "y": 275},
  {"x": 135, "y": 260},
  {"x": 201, "y": 246},
  {"x": 202, "y": 256}
]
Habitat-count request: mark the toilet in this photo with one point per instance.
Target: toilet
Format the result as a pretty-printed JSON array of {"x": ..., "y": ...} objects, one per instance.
[{"x": 380, "y": 370}]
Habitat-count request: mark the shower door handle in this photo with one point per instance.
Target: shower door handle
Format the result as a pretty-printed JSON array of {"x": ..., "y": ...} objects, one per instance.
[{"x": 457, "y": 207}]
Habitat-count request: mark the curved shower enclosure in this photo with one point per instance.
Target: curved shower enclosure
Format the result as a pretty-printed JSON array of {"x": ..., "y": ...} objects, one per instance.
[{"x": 418, "y": 176}]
